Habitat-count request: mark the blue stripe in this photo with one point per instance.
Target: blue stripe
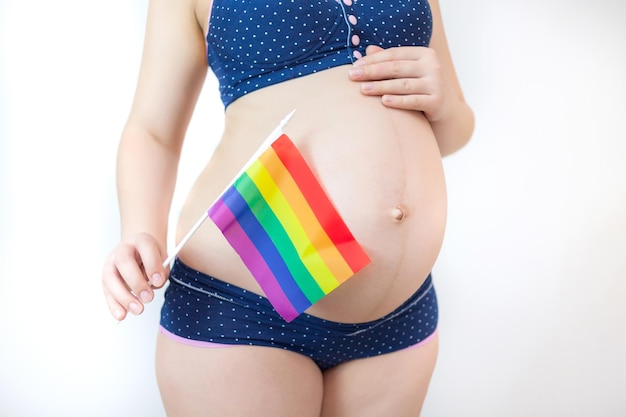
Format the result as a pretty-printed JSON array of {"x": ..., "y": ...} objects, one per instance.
[{"x": 264, "y": 244}]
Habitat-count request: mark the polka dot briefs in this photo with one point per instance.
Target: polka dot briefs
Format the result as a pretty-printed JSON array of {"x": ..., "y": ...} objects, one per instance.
[
  {"x": 201, "y": 310},
  {"x": 252, "y": 44}
]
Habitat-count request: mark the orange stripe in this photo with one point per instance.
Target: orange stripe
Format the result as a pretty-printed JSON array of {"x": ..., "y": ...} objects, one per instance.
[
  {"x": 320, "y": 204},
  {"x": 321, "y": 242}
]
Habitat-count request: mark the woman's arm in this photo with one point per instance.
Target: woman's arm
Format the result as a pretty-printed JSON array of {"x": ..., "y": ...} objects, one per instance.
[
  {"x": 171, "y": 75},
  {"x": 454, "y": 126},
  {"x": 422, "y": 79}
]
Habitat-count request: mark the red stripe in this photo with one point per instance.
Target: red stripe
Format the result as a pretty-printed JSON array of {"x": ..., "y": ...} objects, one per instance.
[{"x": 321, "y": 205}]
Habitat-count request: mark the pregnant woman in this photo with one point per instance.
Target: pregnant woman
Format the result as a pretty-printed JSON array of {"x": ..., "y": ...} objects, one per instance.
[{"x": 378, "y": 104}]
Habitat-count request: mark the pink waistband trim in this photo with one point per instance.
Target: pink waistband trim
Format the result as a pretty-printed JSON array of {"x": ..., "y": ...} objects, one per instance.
[
  {"x": 423, "y": 342},
  {"x": 199, "y": 343},
  {"x": 191, "y": 342}
]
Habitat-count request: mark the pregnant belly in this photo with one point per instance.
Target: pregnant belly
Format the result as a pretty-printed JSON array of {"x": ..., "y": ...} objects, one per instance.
[{"x": 381, "y": 169}]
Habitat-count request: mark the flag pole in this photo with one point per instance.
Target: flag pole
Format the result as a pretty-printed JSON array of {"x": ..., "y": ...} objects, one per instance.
[
  {"x": 185, "y": 239},
  {"x": 271, "y": 137}
]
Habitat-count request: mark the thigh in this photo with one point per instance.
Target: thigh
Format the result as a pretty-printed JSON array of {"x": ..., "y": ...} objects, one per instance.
[
  {"x": 234, "y": 381},
  {"x": 393, "y": 384}
]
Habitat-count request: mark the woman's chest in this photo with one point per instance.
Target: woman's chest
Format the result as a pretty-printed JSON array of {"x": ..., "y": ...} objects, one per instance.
[{"x": 291, "y": 27}]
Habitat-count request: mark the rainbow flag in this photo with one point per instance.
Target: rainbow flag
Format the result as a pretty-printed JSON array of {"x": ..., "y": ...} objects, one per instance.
[{"x": 286, "y": 230}]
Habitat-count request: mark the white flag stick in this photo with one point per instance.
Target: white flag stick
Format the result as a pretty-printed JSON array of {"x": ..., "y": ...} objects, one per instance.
[
  {"x": 185, "y": 239},
  {"x": 270, "y": 138}
]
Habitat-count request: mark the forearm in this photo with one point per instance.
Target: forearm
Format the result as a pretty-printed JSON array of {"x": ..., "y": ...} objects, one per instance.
[
  {"x": 455, "y": 129},
  {"x": 146, "y": 177}
]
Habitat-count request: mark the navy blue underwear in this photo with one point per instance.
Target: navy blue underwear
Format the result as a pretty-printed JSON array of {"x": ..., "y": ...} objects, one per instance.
[{"x": 201, "y": 310}]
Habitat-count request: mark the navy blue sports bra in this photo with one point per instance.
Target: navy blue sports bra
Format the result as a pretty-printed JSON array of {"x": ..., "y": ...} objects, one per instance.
[{"x": 253, "y": 44}]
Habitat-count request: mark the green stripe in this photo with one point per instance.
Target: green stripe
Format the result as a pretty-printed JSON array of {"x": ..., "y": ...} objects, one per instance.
[{"x": 272, "y": 226}]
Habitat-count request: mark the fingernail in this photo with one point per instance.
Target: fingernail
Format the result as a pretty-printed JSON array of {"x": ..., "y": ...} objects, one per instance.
[
  {"x": 134, "y": 308},
  {"x": 119, "y": 315},
  {"x": 145, "y": 296},
  {"x": 367, "y": 86},
  {"x": 156, "y": 280},
  {"x": 355, "y": 72}
]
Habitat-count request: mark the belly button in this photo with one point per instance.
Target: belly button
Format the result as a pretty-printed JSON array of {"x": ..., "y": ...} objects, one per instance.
[{"x": 398, "y": 213}]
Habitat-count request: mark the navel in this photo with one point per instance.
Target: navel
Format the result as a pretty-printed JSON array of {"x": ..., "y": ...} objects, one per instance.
[{"x": 398, "y": 213}]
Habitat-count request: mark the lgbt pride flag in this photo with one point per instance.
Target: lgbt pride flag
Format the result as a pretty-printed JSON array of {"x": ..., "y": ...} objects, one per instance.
[{"x": 286, "y": 230}]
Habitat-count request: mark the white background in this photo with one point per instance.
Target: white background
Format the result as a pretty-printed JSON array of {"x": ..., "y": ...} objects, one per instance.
[{"x": 531, "y": 276}]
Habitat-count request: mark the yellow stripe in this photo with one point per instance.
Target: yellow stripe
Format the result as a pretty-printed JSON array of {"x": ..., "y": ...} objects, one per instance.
[
  {"x": 316, "y": 234},
  {"x": 283, "y": 211}
]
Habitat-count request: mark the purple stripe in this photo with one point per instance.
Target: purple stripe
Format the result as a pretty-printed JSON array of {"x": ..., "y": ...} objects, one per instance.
[
  {"x": 272, "y": 258},
  {"x": 237, "y": 237}
]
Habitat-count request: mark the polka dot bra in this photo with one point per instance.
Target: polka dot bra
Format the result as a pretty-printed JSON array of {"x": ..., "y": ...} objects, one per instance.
[{"x": 253, "y": 44}]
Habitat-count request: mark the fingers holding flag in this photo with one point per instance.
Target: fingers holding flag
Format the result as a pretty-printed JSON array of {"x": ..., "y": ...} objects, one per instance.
[{"x": 131, "y": 272}]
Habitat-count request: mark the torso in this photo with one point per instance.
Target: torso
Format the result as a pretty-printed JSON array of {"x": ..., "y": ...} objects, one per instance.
[{"x": 381, "y": 168}]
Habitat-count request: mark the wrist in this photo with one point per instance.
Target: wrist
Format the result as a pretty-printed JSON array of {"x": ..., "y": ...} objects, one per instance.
[{"x": 453, "y": 128}]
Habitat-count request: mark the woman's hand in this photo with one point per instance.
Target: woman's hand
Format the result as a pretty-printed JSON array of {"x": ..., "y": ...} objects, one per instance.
[
  {"x": 130, "y": 273},
  {"x": 407, "y": 77}
]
